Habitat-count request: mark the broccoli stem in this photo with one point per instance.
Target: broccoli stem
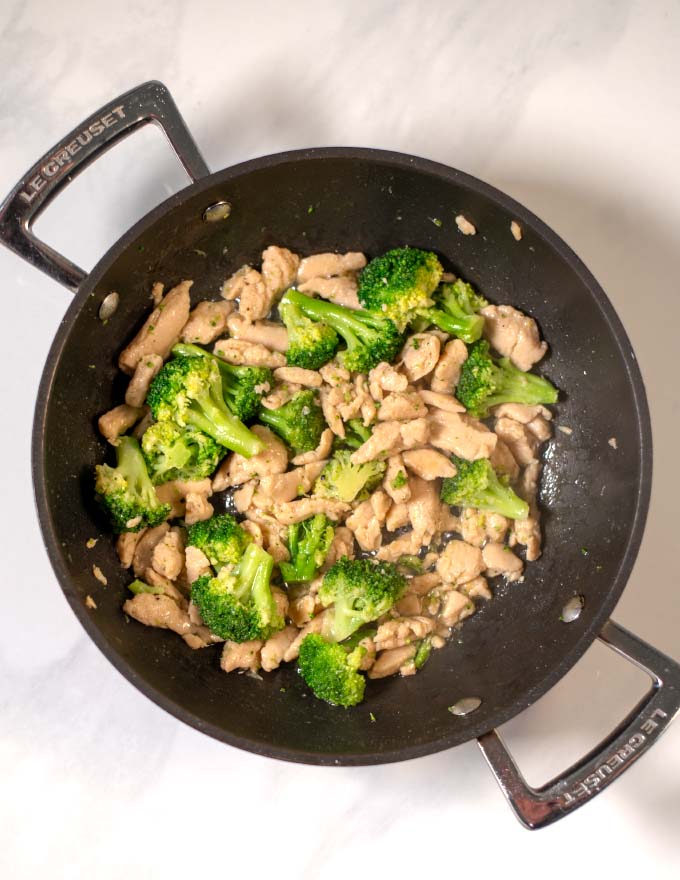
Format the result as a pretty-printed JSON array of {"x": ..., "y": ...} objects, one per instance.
[
  {"x": 255, "y": 571},
  {"x": 501, "y": 499},
  {"x": 220, "y": 424},
  {"x": 466, "y": 327},
  {"x": 516, "y": 386},
  {"x": 342, "y": 320}
]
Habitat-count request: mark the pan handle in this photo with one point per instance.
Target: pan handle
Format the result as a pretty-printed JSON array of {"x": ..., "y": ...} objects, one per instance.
[
  {"x": 149, "y": 102},
  {"x": 537, "y": 807}
]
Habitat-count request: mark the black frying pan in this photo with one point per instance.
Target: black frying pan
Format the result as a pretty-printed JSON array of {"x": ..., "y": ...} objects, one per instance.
[{"x": 595, "y": 497}]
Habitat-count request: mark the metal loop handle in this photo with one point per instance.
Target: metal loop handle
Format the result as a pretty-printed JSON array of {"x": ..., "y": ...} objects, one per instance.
[
  {"x": 537, "y": 807},
  {"x": 149, "y": 102}
]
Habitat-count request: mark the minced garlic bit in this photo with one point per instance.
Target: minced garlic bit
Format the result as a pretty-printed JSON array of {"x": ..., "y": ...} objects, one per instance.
[
  {"x": 90, "y": 603},
  {"x": 516, "y": 230},
  {"x": 565, "y": 430},
  {"x": 91, "y": 542},
  {"x": 99, "y": 574},
  {"x": 465, "y": 226},
  {"x": 612, "y": 442}
]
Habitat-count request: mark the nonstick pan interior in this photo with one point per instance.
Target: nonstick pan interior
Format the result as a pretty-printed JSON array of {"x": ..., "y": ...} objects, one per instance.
[{"x": 594, "y": 496}]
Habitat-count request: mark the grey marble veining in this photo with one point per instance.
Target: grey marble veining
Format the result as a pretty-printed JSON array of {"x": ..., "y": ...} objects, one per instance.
[{"x": 573, "y": 109}]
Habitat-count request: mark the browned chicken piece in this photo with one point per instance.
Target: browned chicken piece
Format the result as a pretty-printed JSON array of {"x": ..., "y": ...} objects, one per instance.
[
  {"x": 237, "y": 469},
  {"x": 280, "y": 396},
  {"x": 496, "y": 526},
  {"x": 477, "y": 588},
  {"x": 333, "y": 374},
  {"x": 126, "y": 544},
  {"x": 391, "y": 437},
  {"x": 366, "y": 526},
  {"x": 168, "y": 493},
  {"x": 369, "y": 657},
  {"x": 154, "y": 609},
  {"x": 540, "y": 428},
  {"x": 143, "y": 554},
  {"x": 519, "y": 439},
  {"x": 303, "y": 508},
  {"x": 255, "y": 300},
  {"x": 197, "y": 508},
  {"x": 286, "y": 487},
  {"x": 167, "y": 557},
  {"x": 241, "y": 655},
  {"x": 145, "y": 422},
  {"x": 447, "y": 372},
  {"x": 272, "y": 336},
  {"x": 419, "y": 355},
  {"x": 341, "y": 290},
  {"x": 428, "y": 464},
  {"x": 395, "y": 482},
  {"x": 401, "y": 405},
  {"x": 355, "y": 399},
  {"x": 404, "y": 545},
  {"x": 272, "y": 532},
  {"x": 321, "y": 452},
  {"x": 197, "y": 563},
  {"x": 528, "y": 533},
  {"x": 331, "y": 398},
  {"x": 409, "y": 606},
  {"x": 423, "y": 509},
  {"x": 146, "y": 369},
  {"x": 328, "y": 265},
  {"x": 280, "y": 600},
  {"x": 503, "y": 461},
  {"x": 243, "y": 496},
  {"x": 301, "y": 608},
  {"x": 298, "y": 376},
  {"x": 521, "y": 412},
  {"x": 448, "y": 521},
  {"x": 381, "y": 503},
  {"x": 397, "y": 517},
  {"x": 390, "y": 662},
  {"x": 472, "y": 526},
  {"x": 385, "y": 378},
  {"x": 279, "y": 268},
  {"x": 249, "y": 354},
  {"x": 342, "y": 545},
  {"x": 157, "y": 289},
  {"x": 254, "y": 530},
  {"x": 414, "y": 433},
  {"x": 514, "y": 335},
  {"x": 207, "y": 321},
  {"x": 402, "y": 631},
  {"x": 461, "y": 434},
  {"x": 118, "y": 421},
  {"x": 528, "y": 484},
  {"x": 422, "y": 584},
  {"x": 460, "y": 562},
  {"x": 438, "y": 400},
  {"x": 315, "y": 625},
  {"x": 161, "y": 330},
  {"x": 455, "y": 608},
  {"x": 155, "y": 579},
  {"x": 276, "y": 646},
  {"x": 500, "y": 560}
]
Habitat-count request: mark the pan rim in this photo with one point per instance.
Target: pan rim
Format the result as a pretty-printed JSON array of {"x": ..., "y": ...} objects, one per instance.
[{"x": 594, "y": 623}]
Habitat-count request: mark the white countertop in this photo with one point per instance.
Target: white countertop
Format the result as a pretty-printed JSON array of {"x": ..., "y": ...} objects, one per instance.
[{"x": 573, "y": 109}]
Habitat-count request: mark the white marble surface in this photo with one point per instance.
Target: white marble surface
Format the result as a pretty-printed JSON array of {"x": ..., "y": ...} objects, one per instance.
[{"x": 571, "y": 108}]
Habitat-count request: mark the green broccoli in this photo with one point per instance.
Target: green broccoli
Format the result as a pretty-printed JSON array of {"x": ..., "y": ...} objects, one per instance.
[
  {"x": 356, "y": 434},
  {"x": 300, "y": 422},
  {"x": 360, "y": 590},
  {"x": 188, "y": 391},
  {"x": 370, "y": 337},
  {"x": 308, "y": 544},
  {"x": 126, "y": 492},
  {"x": 138, "y": 587},
  {"x": 344, "y": 481},
  {"x": 400, "y": 480},
  {"x": 399, "y": 283},
  {"x": 174, "y": 453},
  {"x": 455, "y": 312},
  {"x": 311, "y": 344},
  {"x": 477, "y": 485},
  {"x": 485, "y": 383},
  {"x": 237, "y": 604},
  {"x": 220, "y": 538},
  {"x": 243, "y": 387},
  {"x": 331, "y": 671}
]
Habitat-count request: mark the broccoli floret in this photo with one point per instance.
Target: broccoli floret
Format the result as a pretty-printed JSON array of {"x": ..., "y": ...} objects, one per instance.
[
  {"x": 237, "y": 604},
  {"x": 455, "y": 312},
  {"x": 300, "y": 422},
  {"x": 476, "y": 484},
  {"x": 220, "y": 538},
  {"x": 370, "y": 338},
  {"x": 126, "y": 492},
  {"x": 400, "y": 480},
  {"x": 485, "y": 383},
  {"x": 346, "y": 481},
  {"x": 308, "y": 544},
  {"x": 243, "y": 387},
  {"x": 360, "y": 590},
  {"x": 331, "y": 671},
  {"x": 356, "y": 434},
  {"x": 174, "y": 453},
  {"x": 188, "y": 391},
  {"x": 311, "y": 344},
  {"x": 399, "y": 283}
]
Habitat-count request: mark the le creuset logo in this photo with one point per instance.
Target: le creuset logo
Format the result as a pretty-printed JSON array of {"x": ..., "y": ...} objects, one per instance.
[{"x": 60, "y": 161}]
